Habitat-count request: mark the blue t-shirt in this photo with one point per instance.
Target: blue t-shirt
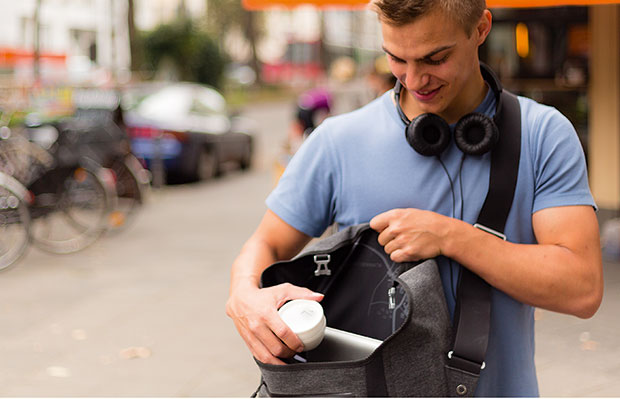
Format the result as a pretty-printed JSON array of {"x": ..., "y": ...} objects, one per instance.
[{"x": 357, "y": 165}]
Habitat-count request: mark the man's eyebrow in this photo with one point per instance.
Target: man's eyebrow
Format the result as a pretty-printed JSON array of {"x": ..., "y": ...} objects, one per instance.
[
  {"x": 425, "y": 57},
  {"x": 391, "y": 55}
]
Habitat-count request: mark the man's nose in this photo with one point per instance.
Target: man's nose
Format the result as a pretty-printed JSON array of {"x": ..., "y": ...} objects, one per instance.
[{"x": 416, "y": 77}]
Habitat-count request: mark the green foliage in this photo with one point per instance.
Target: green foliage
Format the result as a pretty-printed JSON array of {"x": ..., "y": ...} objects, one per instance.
[
  {"x": 224, "y": 14},
  {"x": 209, "y": 64},
  {"x": 195, "y": 55}
]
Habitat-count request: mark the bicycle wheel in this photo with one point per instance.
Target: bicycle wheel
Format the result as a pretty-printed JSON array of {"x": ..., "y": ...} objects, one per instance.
[
  {"x": 72, "y": 215},
  {"x": 132, "y": 184},
  {"x": 14, "y": 221}
]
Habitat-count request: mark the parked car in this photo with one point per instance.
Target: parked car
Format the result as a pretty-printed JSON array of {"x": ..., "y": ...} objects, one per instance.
[{"x": 188, "y": 128}]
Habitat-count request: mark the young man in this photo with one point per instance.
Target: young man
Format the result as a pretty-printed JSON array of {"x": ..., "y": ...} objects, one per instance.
[{"x": 359, "y": 167}]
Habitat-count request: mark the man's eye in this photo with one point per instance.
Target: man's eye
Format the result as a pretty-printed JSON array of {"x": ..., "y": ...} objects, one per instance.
[{"x": 431, "y": 61}]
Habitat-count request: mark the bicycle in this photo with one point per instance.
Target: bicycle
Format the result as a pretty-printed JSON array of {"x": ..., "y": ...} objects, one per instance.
[
  {"x": 132, "y": 187},
  {"x": 71, "y": 195},
  {"x": 102, "y": 138},
  {"x": 14, "y": 220}
]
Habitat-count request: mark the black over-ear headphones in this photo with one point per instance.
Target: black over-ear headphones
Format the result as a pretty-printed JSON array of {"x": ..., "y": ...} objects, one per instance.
[{"x": 474, "y": 134}]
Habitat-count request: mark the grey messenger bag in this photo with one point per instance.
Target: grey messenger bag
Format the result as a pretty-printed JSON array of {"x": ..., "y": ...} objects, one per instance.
[{"x": 421, "y": 353}]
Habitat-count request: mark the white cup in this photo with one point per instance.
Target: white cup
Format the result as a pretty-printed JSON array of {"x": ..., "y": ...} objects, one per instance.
[{"x": 306, "y": 319}]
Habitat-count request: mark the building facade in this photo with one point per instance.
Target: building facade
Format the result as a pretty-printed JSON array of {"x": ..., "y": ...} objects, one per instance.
[{"x": 79, "y": 40}]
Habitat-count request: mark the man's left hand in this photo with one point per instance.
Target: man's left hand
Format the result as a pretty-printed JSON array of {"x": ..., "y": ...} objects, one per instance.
[{"x": 411, "y": 234}]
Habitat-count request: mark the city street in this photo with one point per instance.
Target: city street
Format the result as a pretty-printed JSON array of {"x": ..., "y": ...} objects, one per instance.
[{"x": 141, "y": 312}]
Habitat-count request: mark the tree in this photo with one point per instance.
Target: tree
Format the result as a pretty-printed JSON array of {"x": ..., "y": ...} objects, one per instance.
[
  {"x": 36, "y": 64},
  {"x": 135, "y": 46},
  {"x": 224, "y": 15},
  {"x": 195, "y": 55}
]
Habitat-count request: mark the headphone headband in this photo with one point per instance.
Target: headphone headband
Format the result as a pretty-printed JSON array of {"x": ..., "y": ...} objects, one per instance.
[
  {"x": 397, "y": 89},
  {"x": 494, "y": 83},
  {"x": 491, "y": 78}
]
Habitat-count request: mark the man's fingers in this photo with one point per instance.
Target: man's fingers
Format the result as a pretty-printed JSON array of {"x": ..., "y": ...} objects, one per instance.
[
  {"x": 380, "y": 222},
  {"x": 389, "y": 246},
  {"x": 256, "y": 318},
  {"x": 274, "y": 344},
  {"x": 289, "y": 292},
  {"x": 279, "y": 328},
  {"x": 258, "y": 349},
  {"x": 285, "y": 336},
  {"x": 398, "y": 256},
  {"x": 266, "y": 333},
  {"x": 264, "y": 344},
  {"x": 386, "y": 236},
  {"x": 383, "y": 220}
]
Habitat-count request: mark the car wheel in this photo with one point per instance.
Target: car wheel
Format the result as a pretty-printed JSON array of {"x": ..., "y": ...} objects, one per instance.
[{"x": 207, "y": 165}]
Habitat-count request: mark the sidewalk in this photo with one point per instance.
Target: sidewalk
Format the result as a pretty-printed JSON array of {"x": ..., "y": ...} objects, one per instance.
[{"x": 581, "y": 358}]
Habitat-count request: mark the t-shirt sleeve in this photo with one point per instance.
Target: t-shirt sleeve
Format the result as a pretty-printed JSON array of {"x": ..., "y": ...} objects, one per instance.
[
  {"x": 305, "y": 195},
  {"x": 561, "y": 173}
]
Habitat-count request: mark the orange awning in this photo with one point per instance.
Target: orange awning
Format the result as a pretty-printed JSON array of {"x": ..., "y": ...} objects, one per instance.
[
  {"x": 356, "y": 4},
  {"x": 546, "y": 3},
  {"x": 12, "y": 56}
]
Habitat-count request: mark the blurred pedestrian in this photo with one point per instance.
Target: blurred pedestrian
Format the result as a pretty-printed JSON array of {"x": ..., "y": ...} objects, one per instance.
[
  {"x": 313, "y": 106},
  {"x": 380, "y": 78},
  {"x": 359, "y": 167}
]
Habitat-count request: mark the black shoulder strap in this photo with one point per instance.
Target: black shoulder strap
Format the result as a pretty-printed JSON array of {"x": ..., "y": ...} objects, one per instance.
[{"x": 473, "y": 309}]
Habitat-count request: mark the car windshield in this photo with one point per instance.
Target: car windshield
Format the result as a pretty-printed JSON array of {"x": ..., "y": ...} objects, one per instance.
[
  {"x": 176, "y": 102},
  {"x": 208, "y": 101}
]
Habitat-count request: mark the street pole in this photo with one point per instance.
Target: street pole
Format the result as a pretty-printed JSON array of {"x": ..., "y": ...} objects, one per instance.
[
  {"x": 157, "y": 168},
  {"x": 112, "y": 43},
  {"x": 37, "y": 50}
]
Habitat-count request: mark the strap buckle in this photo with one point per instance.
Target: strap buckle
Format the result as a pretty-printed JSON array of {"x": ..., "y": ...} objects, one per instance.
[
  {"x": 322, "y": 262},
  {"x": 490, "y": 231},
  {"x": 465, "y": 364}
]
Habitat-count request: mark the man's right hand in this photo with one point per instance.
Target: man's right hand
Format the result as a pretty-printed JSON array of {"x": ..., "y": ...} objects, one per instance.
[{"x": 255, "y": 314}]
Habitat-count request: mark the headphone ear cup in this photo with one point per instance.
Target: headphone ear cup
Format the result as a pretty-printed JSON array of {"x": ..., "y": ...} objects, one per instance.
[
  {"x": 428, "y": 134},
  {"x": 476, "y": 134}
]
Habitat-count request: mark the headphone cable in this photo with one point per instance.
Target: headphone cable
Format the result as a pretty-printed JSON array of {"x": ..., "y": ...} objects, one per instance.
[
  {"x": 461, "y": 186},
  {"x": 453, "y": 215}
]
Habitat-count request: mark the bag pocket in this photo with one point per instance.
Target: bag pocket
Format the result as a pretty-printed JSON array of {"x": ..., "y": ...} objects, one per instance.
[{"x": 326, "y": 379}]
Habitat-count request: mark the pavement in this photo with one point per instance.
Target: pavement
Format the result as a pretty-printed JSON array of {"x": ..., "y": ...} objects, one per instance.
[{"x": 581, "y": 358}]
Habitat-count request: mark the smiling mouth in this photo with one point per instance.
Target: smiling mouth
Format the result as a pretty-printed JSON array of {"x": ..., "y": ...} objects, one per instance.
[{"x": 426, "y": 95}]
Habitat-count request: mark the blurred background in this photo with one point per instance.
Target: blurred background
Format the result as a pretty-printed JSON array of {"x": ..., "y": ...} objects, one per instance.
[{"x": 139, "y": 139}]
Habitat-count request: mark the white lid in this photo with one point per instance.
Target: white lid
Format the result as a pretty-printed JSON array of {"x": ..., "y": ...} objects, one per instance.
[{"x": 303, "y": 315}]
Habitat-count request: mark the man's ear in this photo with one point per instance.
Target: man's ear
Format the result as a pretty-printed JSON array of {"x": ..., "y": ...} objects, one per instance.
[{"x": 484, "y": 26}]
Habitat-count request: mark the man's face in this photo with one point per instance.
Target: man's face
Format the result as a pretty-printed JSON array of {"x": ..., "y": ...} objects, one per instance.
[{"x": 434, "y": 58}]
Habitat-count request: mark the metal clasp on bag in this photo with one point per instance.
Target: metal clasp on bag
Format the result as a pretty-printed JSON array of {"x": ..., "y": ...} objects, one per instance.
[
  {"x": 392, "y": 297},
  {"x": 321, "y": 265}
]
